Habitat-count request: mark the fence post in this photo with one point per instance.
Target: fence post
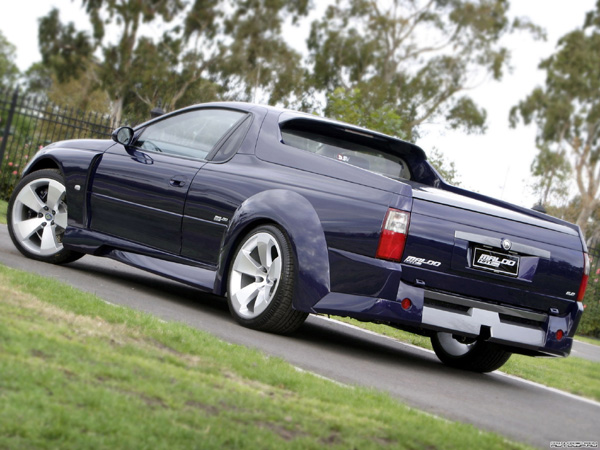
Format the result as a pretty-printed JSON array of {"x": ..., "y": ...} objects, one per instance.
[{"x": 11, "y": 113}]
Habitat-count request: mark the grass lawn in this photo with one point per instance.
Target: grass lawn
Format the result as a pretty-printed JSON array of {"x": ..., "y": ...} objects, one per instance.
[
  {"x": 80, "y": 373},
  {"x": 589, "y": 340}
]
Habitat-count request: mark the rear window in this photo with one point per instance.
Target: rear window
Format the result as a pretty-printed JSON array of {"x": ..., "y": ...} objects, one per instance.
[{"x": 349, "y": 146}]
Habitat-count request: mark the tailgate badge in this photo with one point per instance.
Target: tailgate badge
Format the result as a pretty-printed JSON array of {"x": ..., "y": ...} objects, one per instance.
[
  {"x": 506, "y": 244},
  {"x": 421, "y": 261}
]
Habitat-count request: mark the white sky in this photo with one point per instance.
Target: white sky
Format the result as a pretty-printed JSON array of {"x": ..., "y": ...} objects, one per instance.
[{"x": 496, "y": 163}]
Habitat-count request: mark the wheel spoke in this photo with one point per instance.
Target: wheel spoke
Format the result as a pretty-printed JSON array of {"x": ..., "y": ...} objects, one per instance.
[
  {"x": 262, "y": 300},
  {"x": 245, "y": 264},
  {"x": 244, "y": 296},
  {"x": 263, "y": 246},
  {"x": 27, "y": 228},
  {"x": 275, "y": 269},
  {"x": 49, "y": 243},
  {"x": 61, "y": 219},
  {"x": 29, "y": 198},
  {"x": 56, "y": 191}
]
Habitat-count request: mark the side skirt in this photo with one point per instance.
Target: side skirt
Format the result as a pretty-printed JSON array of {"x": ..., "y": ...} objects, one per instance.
[{"x": 160, "y": 263}]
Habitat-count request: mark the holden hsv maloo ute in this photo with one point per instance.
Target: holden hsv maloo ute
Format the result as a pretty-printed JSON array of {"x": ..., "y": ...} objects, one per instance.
[{"x": 288, "y": 214}]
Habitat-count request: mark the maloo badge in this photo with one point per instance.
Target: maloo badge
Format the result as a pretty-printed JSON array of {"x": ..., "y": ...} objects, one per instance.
[{"x": 506, "y": 244}]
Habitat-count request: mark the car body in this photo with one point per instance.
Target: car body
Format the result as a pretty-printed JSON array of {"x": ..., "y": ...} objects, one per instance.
[{"x": 289, "y": 214}]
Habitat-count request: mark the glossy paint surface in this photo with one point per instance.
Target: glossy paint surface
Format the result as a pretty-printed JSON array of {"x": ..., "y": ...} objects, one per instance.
[{"x": 184, "y": 218}]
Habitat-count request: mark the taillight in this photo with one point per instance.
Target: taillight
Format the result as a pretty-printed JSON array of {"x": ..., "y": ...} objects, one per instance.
[
  {"x": 393, "y": 235},
  {"x": 584, "y": 279}
]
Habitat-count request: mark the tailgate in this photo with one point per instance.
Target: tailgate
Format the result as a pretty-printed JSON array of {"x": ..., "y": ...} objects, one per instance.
[{"x": 496, "y": 257}]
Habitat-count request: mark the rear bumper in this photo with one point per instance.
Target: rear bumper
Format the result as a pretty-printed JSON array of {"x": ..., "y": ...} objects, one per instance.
[{"x": 519, "y": 330}]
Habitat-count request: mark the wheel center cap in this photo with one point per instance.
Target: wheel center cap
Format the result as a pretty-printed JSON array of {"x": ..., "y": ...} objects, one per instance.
[{"x": 49, "y": 216}]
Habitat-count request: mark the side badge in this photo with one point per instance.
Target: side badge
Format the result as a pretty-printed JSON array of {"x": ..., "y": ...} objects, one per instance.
[{"x": 220, "y": 219}]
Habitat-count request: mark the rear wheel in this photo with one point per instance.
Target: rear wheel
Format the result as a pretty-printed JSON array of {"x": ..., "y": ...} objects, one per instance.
[
  {"x": 468, "y": 354},
  {"x": 37, "y": 217},
  {"x": 261, "y": 282}
]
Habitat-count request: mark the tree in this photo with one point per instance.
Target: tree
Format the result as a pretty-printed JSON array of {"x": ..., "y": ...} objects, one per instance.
[
  {"x": 420, "y": 56},
  {"x": 350, "y": 106},
  {"x": 567, "y": 111},
  {"x": 551, "y": 170},
  {"x": 70, "y": 52},
  {"x": 257, "y": 63},
  {"x": 9, "y": 71},
  {"x": 236, "y": 44}
]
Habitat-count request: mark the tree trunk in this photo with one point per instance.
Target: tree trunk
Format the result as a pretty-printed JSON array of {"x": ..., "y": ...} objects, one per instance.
[{"x": 588, "y": 205}]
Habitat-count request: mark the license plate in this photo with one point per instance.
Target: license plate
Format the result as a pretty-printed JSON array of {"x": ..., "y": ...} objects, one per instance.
[{"x": 488, "y": 260}]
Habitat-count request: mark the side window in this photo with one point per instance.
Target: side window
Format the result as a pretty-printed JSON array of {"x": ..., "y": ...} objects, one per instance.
[
  {"x": 190, "y": 134},
  {"x": 233, "y": 141}
]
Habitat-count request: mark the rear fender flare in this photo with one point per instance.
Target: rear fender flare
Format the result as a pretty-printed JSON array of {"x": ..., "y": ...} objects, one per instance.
[{"x": 299, "y": 220}]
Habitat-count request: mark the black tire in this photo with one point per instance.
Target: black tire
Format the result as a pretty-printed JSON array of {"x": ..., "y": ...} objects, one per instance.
[
  {"x": 261, "y": 282},
  {"x": 37, "y": 217},
  {"x": 474, "y": 355}
]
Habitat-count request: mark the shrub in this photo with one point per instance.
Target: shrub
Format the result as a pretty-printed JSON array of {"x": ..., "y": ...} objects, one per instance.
[{"x": 590, "y": 322}]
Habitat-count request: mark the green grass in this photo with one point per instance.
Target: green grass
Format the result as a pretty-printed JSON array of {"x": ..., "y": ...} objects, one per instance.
[
  {"x": 80, "y": 373},
  {"x": 575, "y": 375},
  {"x": 3, "y": 208},
  {"x": 589, "y": 340}
]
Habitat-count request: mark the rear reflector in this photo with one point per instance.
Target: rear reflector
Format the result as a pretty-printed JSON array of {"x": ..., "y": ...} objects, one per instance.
[
  {"x": 393, "y": 235},
  {"x": 584, "y": 279}
]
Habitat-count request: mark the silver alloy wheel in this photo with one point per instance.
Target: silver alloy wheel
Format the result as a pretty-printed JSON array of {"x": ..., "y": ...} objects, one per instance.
[
  {"x": 454, "y": 347},
  {"x": 255, "y": 275},
  {"x": 39, "y": 216}
]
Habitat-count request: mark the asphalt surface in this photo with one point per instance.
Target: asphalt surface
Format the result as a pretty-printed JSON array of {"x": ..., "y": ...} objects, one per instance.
[{"x": 517, "y": 409}]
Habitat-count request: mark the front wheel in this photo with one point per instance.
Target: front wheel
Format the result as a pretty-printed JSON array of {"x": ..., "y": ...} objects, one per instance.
[
  {"x": 468, "y": 354},
  {"x": 261, "y": 282},
  {"x": 37, "y": 217}
]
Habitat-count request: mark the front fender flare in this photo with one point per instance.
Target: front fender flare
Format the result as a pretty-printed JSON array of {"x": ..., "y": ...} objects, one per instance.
[{"x": 299, "y": 220}]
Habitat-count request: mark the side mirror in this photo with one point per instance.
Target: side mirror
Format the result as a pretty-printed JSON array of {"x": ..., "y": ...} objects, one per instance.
[{"x": 123, "y": 135}]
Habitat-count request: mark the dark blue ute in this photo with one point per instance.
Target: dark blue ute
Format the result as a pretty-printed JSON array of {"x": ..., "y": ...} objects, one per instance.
[{"x": 288, "y": 214}]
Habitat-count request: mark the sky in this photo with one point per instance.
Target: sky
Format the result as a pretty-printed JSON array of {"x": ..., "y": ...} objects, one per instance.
[{"x": 496, "y": 163}]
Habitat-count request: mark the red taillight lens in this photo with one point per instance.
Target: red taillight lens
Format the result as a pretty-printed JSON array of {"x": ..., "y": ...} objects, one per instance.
[
  {"x": 393, "y": 235},
  {"x": 584, "y": 279}
]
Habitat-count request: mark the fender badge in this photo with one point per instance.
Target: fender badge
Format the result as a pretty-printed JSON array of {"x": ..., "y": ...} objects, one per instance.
[{"x": 506, "y": 244}]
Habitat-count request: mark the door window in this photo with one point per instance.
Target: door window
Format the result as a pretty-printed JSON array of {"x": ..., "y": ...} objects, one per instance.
[{"x": 191, "y": 134}]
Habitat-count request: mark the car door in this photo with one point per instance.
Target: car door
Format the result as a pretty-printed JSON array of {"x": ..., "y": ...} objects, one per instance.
[
  {"x": 218, "y": 189},
  {"x": 138, "y": 192}
]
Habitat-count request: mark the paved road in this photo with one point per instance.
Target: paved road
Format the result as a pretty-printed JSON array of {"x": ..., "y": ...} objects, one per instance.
[
  {"x": 586, "y": 351},
  {"x": 519, "y": 410}
]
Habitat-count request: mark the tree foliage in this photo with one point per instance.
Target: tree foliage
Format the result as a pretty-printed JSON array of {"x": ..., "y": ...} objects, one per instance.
[
  {"x": 206, "y": 49},
  {"x": 415, "y": 58},
  {"x": 551, "y": 170},
  {"x": 257, "y": 63},
  {"x": 567, "y": 113},
  {"x": 420, "y": 56},
  {"x": 9, "y": 71},
  {"x": 352, "y": 106}
]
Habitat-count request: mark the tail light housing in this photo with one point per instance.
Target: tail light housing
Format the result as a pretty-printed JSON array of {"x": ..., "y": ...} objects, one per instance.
[
  {"x": 393, "y": 235},
  {"x": 584, "y": 279}
]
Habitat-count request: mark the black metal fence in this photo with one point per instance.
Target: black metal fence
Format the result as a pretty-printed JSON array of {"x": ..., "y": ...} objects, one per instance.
[{"x": 28, "y": 123}]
